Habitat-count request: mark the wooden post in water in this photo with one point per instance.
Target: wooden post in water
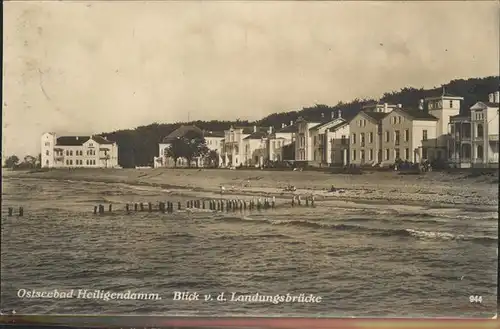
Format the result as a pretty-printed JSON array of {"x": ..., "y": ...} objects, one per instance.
[
  {"x": 110, "y": 208},
  {"x": 101, "y": 209},
  {"x": 127, "y": 208},
  {"x": 95, "y": 210},
  {"x": 10, "y": 211},
  {"x": 307, "y": 201},
  {"x": 141, "y": 205},
  {"x": 161, "y": 206},
  {"x": 179, "y": 205},
  {"x": 135, "y": 206},
  {"x": 293, "y": 200},
  {"x": 21, "y": 212},
  {"x": 273, "y": 202},
  {"x": 298, "y": 200},
  {"x": 312, "y": 201},
  {"x": 150, "y": 207}
]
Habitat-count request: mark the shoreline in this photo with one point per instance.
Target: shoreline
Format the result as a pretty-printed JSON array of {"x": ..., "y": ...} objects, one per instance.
[{"x": 432, "y": 189}]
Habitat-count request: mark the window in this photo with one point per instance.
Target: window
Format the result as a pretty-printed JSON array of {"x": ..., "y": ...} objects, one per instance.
[
  {"x": 424, "y": 135},
  {"x": 47, "y": 143},
  {"x": 399, "y": 119},
  {"x": 71, "y": 162},
  {"x": 424, "y": 153},
  {"x": 67, "y": 162},
  {"x": 67, "y": 152},
  {"x": 480, "y": 151},
  {"x": 479, "y": 130},
  {"x": 370, "y": 154},
  {"x": 451, "y": 104},
  {"x": 87, "y": 162},
  {"x": 407, "y": 135},
  {"x": 387, "y": 154},
  {"x": 47, "y": 152},
  {"x": 71, "y": 153},
  {"x": 354, "y": 155},
  {"x": 396, "y": 137},
  {"x": 314, "y": 140},
  {"x": 370, "y": 138},
  {"x": 407, "y": 154},
  {"x": 354, "y": 138},
  {"x": 387, "y": 136},
  {"x": 362, "y": 138},
  {"x": 397, "y": 155},
  {"x": 362, "y": 155}
]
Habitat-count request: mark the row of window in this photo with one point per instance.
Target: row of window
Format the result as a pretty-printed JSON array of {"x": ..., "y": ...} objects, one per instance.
[
  {"x": 439, "y": 104},
  {"x": 80, "y": 162},
  {"x": 397, "y": 137},
  {"x": 77, "y": 152},
  {"x": 368, "y": 155}
]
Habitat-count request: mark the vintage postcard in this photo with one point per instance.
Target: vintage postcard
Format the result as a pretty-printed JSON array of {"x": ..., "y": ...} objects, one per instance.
[{"x": 250, "y": 158}]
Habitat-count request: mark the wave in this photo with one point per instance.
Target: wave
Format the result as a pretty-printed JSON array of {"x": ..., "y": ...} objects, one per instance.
[{"x": 384, "y": 232}]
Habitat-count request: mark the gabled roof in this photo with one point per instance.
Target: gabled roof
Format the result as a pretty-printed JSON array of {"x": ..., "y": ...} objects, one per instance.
[
  {"x": 257, "y": 135},
  {"x": 80, "y": 140},
  {"x": 417, "y": 114},
  {"x": 102, "y": 140},
  {"x": 324, "y": 123},
  {"x": 375, "y": 116},
  {"x": 181, "y": 132},
  {"x": 71, "y": 140},
  {"x": 337, "y": 126}
]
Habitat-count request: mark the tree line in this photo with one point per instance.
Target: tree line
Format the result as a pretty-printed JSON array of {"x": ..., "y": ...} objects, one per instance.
[
  {"x": 29, "y": 162},
  {"x": 138, "y": 147}
]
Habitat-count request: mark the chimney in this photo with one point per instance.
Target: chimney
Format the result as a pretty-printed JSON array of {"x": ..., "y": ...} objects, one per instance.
[
  {"x": 339, "y": 113},
  {"x": 254, "y": 129},
  {"x": 282, "y": 125},
  {"x": 322, "y": 115},
  {"x": 291, "y": 122},
  {"x": 421, "y": 105},
  {"x": 333, "y": 115},
  {"x": 270, "y": 130},
  {"x": 491, "y": 98},
  {"x": 496, "y": 97},
  {"x": 76, "y": 137},
  {"x": 400, "y": 106},
  {"x": 385, "y": 107}
]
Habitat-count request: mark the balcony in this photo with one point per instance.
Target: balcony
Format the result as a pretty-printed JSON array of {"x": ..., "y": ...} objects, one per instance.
[
  {"x": 59, "y": 158},
  {"x": 104, "y": 157},
  {"x": 493, "y": 138}
]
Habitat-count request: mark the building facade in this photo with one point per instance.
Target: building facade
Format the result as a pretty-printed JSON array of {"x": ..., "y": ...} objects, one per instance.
[
  {"x": 474, "y": 136},
  {"x": 78, "y": 152},
  {"x": 403, "y": 132},
  {"x": 443, "y": 107},
  {"x": 365, "y": 142},
  {"x": 280, "y": 141}
]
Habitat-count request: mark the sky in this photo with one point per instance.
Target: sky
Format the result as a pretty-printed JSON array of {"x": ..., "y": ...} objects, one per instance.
[{"x": 74, "y": 67}]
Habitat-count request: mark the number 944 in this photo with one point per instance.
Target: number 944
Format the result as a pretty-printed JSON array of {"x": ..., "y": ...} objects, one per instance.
[{"x": 476, "y": 299}]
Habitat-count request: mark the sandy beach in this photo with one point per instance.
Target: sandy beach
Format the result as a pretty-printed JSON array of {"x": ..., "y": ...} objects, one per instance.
[{"x": 435, "y": 188}]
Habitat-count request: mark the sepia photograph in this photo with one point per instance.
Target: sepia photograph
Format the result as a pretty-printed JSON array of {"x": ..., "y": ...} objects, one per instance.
[{"x": 250, "y": 158}]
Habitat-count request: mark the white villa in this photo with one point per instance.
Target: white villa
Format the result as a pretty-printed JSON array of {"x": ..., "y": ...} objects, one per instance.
[
  {"x": 279, "y": 141},
  {"x": 474, "y": 136},
  {"x": 78, "y": 152},
  {"x": 322, "y": 142}
]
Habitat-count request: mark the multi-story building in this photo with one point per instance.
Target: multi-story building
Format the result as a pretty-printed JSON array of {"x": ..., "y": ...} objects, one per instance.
[
  {"x": 403, "y": 132},
  {"x": 365, "y": 142},
  {"x": 235, "y": 153},
  {"x": 215, "y": 142},
  {"x": 78, "y": 152},
  {"x": 280, "y": 141},
  {"x": 338, "y": 144},
  {"x": 255, "y": 151},
  {"x": 443, "y": 108},
  {"x": 474, "y": 135}
]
